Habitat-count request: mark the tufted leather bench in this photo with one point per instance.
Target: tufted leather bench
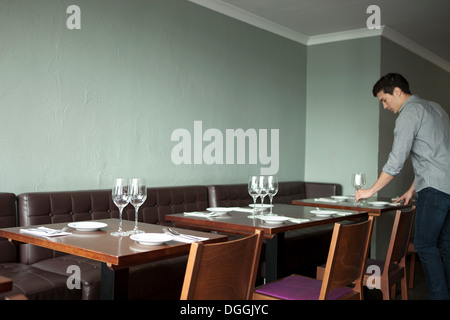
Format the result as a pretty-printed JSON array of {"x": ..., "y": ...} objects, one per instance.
[
  {"x": 303, "y": 249},
  {"x": 33, "y": 282},
  {"x": 235, "y": 195}
]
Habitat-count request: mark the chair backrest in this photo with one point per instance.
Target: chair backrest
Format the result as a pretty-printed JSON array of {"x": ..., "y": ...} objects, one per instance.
[
  {"x": 347, "y": 257},
  {"x": 401, "y": 232},
  {"x": 222, "y": 271}
]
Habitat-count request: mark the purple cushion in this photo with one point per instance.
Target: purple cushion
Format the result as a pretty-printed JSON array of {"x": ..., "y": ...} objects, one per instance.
[{"x": 300, "y": 288}]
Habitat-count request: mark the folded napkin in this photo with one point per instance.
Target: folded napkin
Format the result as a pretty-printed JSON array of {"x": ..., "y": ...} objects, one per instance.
[
  {"x": 188, "y": 238},
  {"x": 326, "y": 200},
  {"x": 342, "y": 213},
  {"x": 202, "y": 214},
  {"x": 242, "y": 209},
  {"x": 45, "y": 232},
  {"x": 299, "y": 220}
]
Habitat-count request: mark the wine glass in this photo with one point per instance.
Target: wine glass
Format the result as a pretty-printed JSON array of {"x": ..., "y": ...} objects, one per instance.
[
  {"x": 121, "y": 197},
  {"x": 263, "y": 189},
  {"x": 138, "y": 195},
  {"x": 272, "y": 189},
  {"x": 253, "y": 190},
  {"x": 358, "y": 181}
]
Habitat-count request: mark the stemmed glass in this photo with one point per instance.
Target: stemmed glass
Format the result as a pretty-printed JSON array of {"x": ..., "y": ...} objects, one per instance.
[
  {"x": 253, "y": 190},
  {"x": 138, "y": 195},
  {"x": 263, "y": 189},
  {"x": 272, "y": 189},
  {"x": 358, "y": 181},
  {"x": 121, "y": 197}
]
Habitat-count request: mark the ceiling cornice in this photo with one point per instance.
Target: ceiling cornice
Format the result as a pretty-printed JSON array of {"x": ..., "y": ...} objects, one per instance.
[{"x": 254, "y": 20}]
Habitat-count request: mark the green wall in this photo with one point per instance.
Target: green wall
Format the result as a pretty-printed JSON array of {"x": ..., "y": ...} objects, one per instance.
[
  {"x": 81, "y": 107},
  {"x": 342, "y": 115}
]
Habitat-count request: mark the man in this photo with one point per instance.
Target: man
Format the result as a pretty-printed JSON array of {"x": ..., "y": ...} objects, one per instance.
[{"x": 422, "y": 130}]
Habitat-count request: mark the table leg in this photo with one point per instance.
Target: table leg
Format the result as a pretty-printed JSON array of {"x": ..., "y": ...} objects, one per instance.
[
  {"x": 114, "y": 283},
  {"x": 273, "y": 256}
]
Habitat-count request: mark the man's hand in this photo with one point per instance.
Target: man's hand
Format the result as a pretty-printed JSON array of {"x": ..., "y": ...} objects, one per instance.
[
  {"x": 363, "y": 194},
  {"x": 407, "y": 196}
]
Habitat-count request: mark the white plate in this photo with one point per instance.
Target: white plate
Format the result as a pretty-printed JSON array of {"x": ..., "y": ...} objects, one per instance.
[
  {"x": 378, "y": 203},
  {"x": 273, "y": 219},
  {"x": 342, "y": 198},
  {"x": 151, "y": 239},
  {"x": 87, "y": 225},
  {"x": 220, "y": 209},
  {"x": 258, "y": 205},
  {"x": 323, "y": 213}
]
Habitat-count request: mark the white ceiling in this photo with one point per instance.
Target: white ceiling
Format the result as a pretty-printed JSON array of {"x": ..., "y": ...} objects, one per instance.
[{"x": 422, "y": 24}]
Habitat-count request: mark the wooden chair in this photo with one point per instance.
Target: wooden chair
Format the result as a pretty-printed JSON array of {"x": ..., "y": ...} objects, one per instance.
[
  {"x": 345, "y": 266},
  {"x": 393, "y": 267},
  {"x": 223, "y": 271}
]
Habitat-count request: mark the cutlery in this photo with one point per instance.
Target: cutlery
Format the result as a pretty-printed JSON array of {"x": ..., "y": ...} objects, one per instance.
[
  {"x": 176, "y": 233},
  {"x": 49, "y": 231}
]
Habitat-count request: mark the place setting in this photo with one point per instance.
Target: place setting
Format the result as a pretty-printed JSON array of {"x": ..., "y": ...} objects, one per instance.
[
  {"x": 168, "y": 234},
  {"x": 77, "y": 226}
]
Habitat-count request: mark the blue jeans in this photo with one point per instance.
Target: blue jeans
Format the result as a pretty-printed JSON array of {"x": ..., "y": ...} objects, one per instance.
[{"x": 432, "y": 238}]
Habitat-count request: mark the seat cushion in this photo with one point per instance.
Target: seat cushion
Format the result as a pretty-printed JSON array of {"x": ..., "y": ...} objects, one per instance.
[
  {"x": 90, "y": 272},
  {"x": 36, "y": 284},
  {"x": 300, "y": 288}
]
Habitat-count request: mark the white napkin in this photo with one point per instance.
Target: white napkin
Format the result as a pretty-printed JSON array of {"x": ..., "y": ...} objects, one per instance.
[
  {"x": 242, "y": 210},
  {"x": 342, "y": 213},
  {"x": 44, "y": 232},
  {"x": 202, "y": 214},
  {"x": 188, "y": 240},
  {"x": 326, "y": 200},
  {"x": 299, "y": 220}
]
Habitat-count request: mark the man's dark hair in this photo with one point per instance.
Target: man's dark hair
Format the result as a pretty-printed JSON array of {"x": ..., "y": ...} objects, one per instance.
[{"x": 388, "y": 82}]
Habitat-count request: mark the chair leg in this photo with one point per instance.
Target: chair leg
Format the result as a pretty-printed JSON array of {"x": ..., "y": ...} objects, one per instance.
[
  {"x": 394, "y": 291},
  {"x": 404, "y": 286},
  {"x": 385, "y": 290},
  {"x": 412, "y": 268}
]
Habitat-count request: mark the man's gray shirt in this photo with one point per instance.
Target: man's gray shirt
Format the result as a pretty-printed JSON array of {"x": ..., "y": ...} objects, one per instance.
[{"x": 422, "y": 129}]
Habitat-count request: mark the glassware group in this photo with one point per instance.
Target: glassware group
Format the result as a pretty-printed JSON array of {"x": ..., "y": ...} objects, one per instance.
[
  {"x": 262, "y": 186},
  {"x": 126, "y": 191}
]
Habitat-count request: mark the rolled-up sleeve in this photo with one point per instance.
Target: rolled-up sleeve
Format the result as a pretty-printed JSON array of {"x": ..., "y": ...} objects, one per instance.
[{"x": 406, "y": 127}]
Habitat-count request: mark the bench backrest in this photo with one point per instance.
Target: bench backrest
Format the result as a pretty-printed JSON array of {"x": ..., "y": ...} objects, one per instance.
[
  {"x": 236, "y": 195},
  {"x": 8, "y": 252},
  {"x": 55, "y": 207}
]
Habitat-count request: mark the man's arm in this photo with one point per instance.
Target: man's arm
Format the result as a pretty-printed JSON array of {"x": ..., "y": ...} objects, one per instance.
[{"x": 383, "y": 180}]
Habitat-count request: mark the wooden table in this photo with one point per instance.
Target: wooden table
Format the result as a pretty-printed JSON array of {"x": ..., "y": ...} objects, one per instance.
[
  {"x": 5, "y": 284},
  {"x": 117, "y": 254},
  {"x": 364, "y": 206},
  {"x": 235, "y": 222},
  {"x": 380, "y": 240}
]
